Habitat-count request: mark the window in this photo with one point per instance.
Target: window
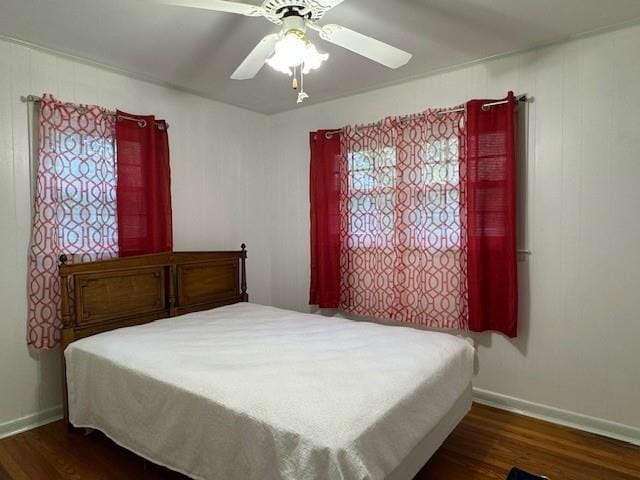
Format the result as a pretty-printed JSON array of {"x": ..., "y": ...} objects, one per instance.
[
  {"x": 437, "y": 216},
  {"x": 85, "y": 170},
  {"x": 431, "y": 218},
  {"x": 372, "y": 183},
  {"x": 402, "y": 248}
]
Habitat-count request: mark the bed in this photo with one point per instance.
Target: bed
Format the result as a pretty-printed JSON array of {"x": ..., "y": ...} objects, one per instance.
[{"x": 233, "y": 390}]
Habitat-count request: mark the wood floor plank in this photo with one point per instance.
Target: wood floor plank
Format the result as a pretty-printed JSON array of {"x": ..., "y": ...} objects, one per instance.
[
  {"x": 10, "y": 466},
  {"x": 70, "y": 462},
  {"x": 531, "y": 428},
  {"x": 4, "y": 475},
  {"x": 446, "y": 465},
  {"x": 33, "y": 464},
  {"x": 621, "y": 461},
  {"x": 485, "y": 446},
  {"x": 552, "y": 464}
]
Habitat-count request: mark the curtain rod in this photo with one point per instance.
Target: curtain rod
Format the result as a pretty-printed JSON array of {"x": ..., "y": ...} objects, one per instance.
[
  {"x": 141, "y": 122},
  {"x": 486, "y": 106},
  {"x": 403, "y": 118}
]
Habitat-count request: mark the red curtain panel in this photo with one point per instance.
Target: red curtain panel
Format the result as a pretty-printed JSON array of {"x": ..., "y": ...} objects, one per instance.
[
  {"x": 491, "y": 180},
  {"x": 144, "y": 185},
  {"x": 325, "y": 219}
]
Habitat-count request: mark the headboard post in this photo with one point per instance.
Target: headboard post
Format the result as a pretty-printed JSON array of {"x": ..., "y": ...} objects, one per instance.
[
  {"x": 172, "y": 290},
  {"x": 67, "y": 331},
  {"x": 64, "y": 293},
  {"x": 243, "y": 277}
]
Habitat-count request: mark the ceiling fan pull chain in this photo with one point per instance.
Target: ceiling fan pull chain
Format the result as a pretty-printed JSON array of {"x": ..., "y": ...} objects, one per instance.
[
  {"x": 294, "y": 83},
  {"x": 302, "y": 94}
]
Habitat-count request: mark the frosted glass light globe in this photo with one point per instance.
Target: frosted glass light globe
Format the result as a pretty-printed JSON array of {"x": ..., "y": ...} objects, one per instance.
[
  {"x": 293, "y": 50},
  {"x": 289, "y": 52},
  {"x": 312, "y": 58}
]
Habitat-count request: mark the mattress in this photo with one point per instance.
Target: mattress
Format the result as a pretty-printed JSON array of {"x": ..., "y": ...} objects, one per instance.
[{"x": 254, "y": 392}]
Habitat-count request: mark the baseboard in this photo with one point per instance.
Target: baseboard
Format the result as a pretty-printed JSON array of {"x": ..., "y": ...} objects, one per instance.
[
  {"x": 556, "y": 415},
  {"x": 34, "y": 420}
]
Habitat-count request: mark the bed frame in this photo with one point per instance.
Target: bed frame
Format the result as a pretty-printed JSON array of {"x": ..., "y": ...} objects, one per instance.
[{"x": 104, "y": 295}]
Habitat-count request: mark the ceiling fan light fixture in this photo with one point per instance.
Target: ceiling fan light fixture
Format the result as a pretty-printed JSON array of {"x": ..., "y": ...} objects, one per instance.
[
  {"x": 313, "y": 58},
  {"x": 294, "y": 50},
  {"x": 289, "y": 52}
]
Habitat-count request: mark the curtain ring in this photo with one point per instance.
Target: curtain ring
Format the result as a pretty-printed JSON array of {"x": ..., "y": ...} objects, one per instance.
[
  {"x": 140, "y": 121},
  {"x": 81, "y": 109},
  {"x": 329, "y": 135}
]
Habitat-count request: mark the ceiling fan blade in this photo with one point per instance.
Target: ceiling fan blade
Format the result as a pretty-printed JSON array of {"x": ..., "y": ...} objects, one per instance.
[
  {"x": 254, "y": 62},
  {"x": 368, "y": 47},
  {"x": 329, "y": 3},
  {"x": 218, "y": 6}
]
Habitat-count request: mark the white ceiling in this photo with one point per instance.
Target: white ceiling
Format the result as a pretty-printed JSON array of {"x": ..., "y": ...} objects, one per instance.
[{"x": 198, "y": 50}]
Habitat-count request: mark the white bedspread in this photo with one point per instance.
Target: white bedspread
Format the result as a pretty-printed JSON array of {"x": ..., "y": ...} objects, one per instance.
[{"x": 252, "y": 392}]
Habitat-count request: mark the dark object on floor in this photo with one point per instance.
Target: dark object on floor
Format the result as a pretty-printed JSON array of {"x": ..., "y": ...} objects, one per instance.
[{"x": 517, "y": 474}]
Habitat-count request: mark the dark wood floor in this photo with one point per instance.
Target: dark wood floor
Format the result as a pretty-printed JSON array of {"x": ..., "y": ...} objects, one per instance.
[{"x": 484, "y": 446}]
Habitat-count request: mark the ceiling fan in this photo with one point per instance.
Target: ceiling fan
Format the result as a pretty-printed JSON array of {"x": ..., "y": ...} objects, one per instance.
[{"x": 288, "y": 50}]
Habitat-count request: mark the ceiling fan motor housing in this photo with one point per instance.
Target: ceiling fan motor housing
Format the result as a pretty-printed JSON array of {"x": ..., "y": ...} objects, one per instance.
[{"x": 277, "y": 11}]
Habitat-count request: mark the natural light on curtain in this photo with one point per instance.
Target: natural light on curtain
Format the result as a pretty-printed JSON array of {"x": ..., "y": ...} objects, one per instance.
[
  {"x": 403, "y": 241},
  {"x": 75, "y": 205}
]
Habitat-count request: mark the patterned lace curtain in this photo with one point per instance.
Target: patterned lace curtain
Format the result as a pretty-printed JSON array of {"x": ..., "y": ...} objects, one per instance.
[
  {"x": 74, "y": 207},
  {"x": 403, "y": 240}
]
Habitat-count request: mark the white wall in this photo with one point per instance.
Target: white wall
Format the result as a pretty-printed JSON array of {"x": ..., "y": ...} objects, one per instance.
[
  {"x": 580, "y": 320},
  {"x": 217, "y": 165}
]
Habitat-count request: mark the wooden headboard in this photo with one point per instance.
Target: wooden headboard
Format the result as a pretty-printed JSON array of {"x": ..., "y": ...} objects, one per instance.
[{"x": 105, "y": 295}]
